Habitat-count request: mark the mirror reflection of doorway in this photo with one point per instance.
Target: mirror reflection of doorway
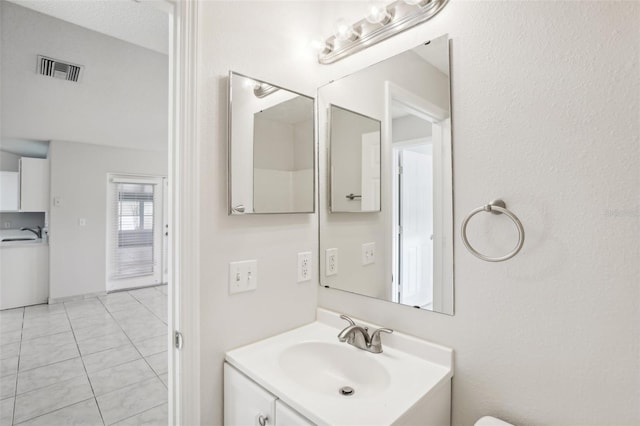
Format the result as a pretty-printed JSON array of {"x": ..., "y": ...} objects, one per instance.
[{"x": 413, "y": 208}]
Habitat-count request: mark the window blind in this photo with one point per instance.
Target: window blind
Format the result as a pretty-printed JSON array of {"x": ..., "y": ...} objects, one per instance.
[{"x": 132, "y": 233}]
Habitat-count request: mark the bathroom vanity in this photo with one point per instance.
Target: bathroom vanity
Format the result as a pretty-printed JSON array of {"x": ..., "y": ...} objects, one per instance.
[{"x": 307, "y": 376}]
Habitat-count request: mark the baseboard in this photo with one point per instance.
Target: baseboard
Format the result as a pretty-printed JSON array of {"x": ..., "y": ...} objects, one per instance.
[{"x": 54, "y": 300}]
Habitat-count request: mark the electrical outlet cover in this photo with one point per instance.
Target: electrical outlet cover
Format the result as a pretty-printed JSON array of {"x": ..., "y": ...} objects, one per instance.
[
  {"x": 331, "y": 262},
  {"x": 304, "y": 266}
]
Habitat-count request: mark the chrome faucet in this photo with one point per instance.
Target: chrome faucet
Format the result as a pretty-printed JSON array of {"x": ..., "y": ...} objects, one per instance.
[
  {"x": 38, "y": 232},
  {"x": 359, "y": 336}
]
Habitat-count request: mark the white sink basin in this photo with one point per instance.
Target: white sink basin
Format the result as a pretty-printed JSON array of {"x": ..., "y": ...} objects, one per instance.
[
  {"x": 306, "y": 368},
  {"x": 334, "y": 365}
]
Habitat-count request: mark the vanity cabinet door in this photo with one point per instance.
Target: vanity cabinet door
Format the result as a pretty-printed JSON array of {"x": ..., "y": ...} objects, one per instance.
[
  {"x": 245, "y": 402},
  {"x": 286, "y": 416}
]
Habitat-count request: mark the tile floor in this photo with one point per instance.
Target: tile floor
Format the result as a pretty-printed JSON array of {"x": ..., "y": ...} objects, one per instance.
[{"x": 98, "y": 361}]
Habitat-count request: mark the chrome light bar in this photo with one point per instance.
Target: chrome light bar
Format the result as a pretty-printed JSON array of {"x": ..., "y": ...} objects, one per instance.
[{"x": 401, "y": 15}]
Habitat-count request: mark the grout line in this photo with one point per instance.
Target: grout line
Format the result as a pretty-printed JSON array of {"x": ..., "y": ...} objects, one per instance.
[
  {"x": 15, "y": 391},
  {"x": 138, "y": 350},
  {"x": 50, "y": 384},
  {"x": 142, "y": 412},
  {"x": 57, "y": 409},
  {"x": 83, "y": 366},
  {"x": 110, "y": 314}
]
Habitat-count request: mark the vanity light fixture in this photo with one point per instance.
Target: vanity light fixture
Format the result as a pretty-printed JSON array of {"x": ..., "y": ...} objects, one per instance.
[
  {"x": 261, "y": 90},
  {"x": 378, "y": 13},
  {"x": 345, "y": 32},
  {"x": 380, "y": 23}
]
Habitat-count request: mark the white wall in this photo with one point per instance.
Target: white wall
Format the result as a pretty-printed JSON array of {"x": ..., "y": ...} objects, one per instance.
[
  {"x": 545, "y": 108},
  {"x": 9, "y": 162},
  {"x": 16, "y": 220},
  {"x": 235, "y": 35},
  {"x": 79, "y": 179},
  {"x": 122, "y": 85},
  {"x": 546, "y": 101}
]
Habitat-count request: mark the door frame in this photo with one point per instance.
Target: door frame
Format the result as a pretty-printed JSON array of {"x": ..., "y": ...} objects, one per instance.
[
  {"x": 184, "y": 216},
  {"x": 443, "y": 216},
  {"x": 158, "y": 224}
]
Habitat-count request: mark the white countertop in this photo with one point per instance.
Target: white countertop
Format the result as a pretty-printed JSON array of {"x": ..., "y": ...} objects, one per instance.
[
  {"x": 32, "y": 240},
  {"x": 416, "y": 369}
]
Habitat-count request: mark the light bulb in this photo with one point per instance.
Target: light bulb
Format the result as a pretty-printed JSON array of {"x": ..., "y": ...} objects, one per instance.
[
  {"x": 249, "y": 83},
  {"x": 343, "y": 30},
  {"x": 318, "y": 44},
  {"x": 378, "y": 13}
]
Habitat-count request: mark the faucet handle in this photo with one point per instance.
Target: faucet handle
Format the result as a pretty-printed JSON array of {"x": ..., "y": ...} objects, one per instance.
[
  {"x": 376, "y": 342},
  {"x": 349, "y": 320}
]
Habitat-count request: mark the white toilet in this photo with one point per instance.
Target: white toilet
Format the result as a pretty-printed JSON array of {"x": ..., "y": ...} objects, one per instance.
[{"x": 491, "y": 421}]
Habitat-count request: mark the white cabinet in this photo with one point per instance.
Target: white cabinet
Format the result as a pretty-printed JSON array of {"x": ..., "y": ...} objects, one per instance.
[
  {"x": 24, "y": 274},
  {"x": 9, "y": 191},
  {"x": 287, "y": 416},
  {"x": 34, "y": 184},
  {"x": 247, "y": 404}
]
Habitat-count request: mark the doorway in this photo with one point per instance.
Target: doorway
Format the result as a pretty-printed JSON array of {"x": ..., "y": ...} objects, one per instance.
[
  {"x": 135, "y": 237},
  {"x": 420, "y": 248}
]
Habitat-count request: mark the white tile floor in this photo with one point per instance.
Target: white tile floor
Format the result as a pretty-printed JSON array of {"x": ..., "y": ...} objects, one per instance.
[{"x": 99, "y": 361}]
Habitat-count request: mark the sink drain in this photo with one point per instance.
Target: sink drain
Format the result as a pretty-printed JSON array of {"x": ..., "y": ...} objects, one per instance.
[{"x": 347, "y": 391}]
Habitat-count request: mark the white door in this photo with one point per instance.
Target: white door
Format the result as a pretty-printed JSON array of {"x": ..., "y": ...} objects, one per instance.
[
  {"x": 416, "y": 223},
  {"x": 370, "y": 172},
  {"x": 135, "y": 230}
]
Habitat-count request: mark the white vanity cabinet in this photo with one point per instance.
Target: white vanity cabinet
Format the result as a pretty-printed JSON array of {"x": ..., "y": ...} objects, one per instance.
[
  {"x": 34, "y": 184},
  {"x": 287, "y": 416},
  {"x": 247, "y": 404}
]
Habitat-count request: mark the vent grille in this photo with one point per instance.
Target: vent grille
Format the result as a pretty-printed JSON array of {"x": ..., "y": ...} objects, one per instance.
[{"x": 58, "y": 69}]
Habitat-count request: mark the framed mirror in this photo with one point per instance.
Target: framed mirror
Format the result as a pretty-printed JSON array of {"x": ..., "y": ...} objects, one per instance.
[
  {"x": 401, "y": 250},
  {"x": 271, "y": 148},
  {"x": 354, "y": 144}
]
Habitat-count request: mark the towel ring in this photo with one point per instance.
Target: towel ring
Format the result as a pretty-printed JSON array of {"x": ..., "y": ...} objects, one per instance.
[{"x": 495, "y": 207}]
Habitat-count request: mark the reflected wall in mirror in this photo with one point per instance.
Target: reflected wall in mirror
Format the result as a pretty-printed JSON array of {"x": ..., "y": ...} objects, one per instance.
[
  {"x": 402, "y": 253},
  {"x": 271, "y": 148},
  {"x": 354, "y": 143}
]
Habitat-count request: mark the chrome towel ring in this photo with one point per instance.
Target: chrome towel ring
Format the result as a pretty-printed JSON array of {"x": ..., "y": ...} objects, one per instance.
[{"x": 495, "y": 207}]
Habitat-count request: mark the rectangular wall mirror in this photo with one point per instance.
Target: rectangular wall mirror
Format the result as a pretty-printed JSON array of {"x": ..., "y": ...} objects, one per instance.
[
  {"x": 399, "y": 246},
  {"x": 354, "y": 144},
  {"x": 271, "y": 148}
]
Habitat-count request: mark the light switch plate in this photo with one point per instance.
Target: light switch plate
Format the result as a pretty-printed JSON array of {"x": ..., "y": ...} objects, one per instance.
[
  {"x": 368, "y": 253},
  {"x": 331, "y": 262},
  {"x": 304, "y": 266},
  {"x": 243, "y": 276}
]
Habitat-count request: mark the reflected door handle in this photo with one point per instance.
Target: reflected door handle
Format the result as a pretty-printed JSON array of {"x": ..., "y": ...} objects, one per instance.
[{"x": 263, "y": 420}]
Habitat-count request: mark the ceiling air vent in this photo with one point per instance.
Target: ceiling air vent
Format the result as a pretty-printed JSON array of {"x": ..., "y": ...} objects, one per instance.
[{"x": 58, "y": 69}]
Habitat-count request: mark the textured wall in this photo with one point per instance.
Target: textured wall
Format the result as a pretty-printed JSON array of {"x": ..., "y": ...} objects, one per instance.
[
  {"x": 261, "y": 40},
  {"x": 545, "y": 114},
  {"x": 546, "y": 103}
]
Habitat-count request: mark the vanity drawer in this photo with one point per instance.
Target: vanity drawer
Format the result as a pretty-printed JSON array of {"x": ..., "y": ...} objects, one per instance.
[{"x": 286, "y": 416}]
